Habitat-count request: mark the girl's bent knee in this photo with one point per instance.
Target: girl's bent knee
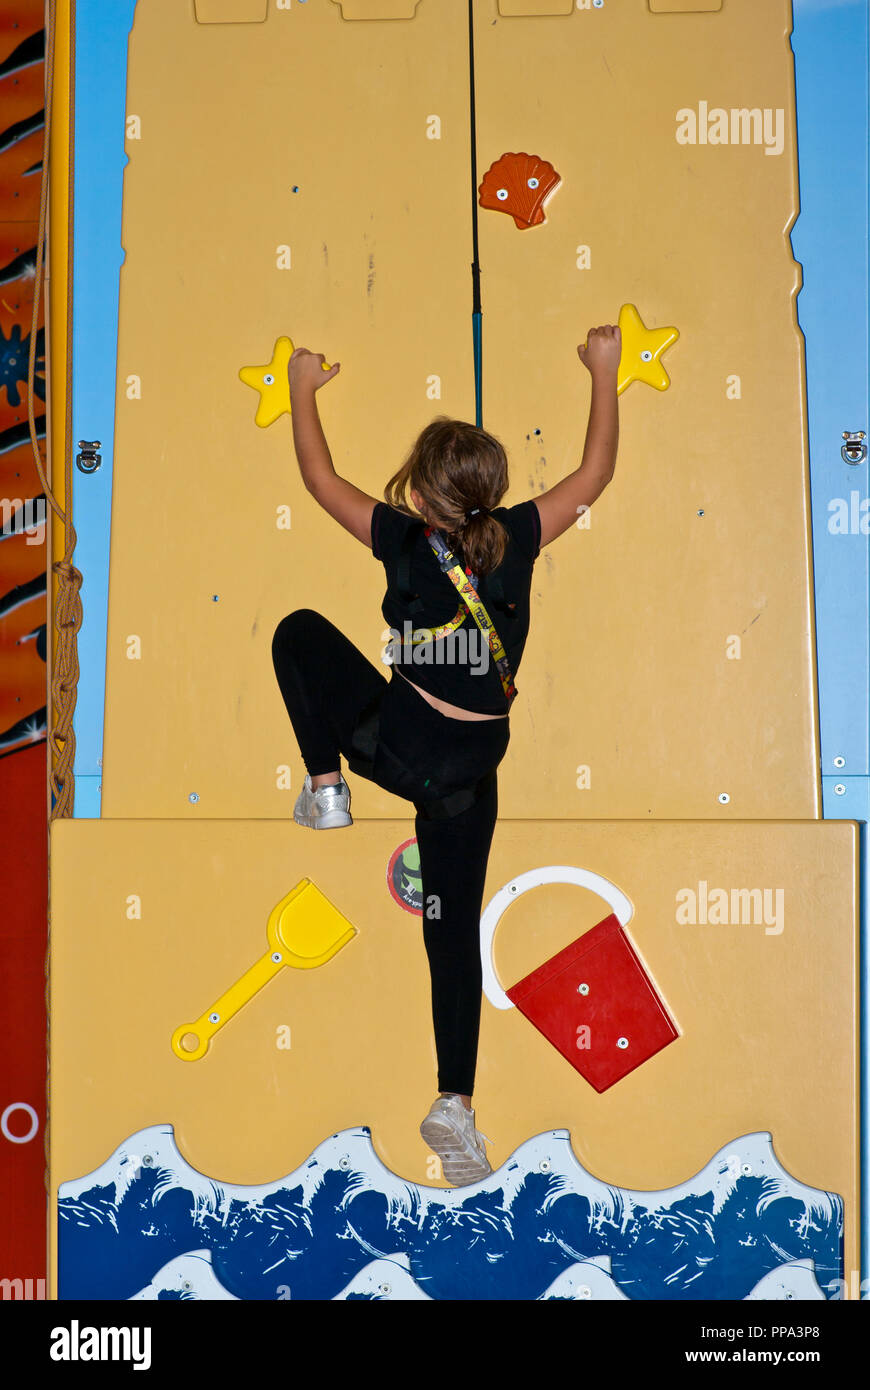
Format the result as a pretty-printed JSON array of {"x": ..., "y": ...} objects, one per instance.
[{"x": 296, "y": 627}]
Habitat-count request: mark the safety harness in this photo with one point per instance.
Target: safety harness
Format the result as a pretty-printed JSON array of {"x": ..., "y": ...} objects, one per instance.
[
  {"x": 463, "y": 581},
  {"x": 365, "y": 736}
]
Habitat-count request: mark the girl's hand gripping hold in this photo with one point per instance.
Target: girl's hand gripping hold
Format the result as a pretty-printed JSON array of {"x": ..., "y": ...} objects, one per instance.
[
  {"x": 602, "y": 350},
  {"x": 308, "y": 370}
]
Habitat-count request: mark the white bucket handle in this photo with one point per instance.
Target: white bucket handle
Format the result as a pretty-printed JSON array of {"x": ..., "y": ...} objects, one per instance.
[{"x": 536, "y": 878}]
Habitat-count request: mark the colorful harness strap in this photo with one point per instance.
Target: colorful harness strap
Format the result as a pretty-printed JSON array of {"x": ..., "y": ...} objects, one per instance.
[
  {"x": 432, "y": 634},
  {"x": 465, "y": 584},
  {"x": 412, "y": 601}
]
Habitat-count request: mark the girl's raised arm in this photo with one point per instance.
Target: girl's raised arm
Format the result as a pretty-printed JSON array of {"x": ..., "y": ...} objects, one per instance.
[
  {"x": 560, "y": 505},
  {"x": 349, "y": 505}
]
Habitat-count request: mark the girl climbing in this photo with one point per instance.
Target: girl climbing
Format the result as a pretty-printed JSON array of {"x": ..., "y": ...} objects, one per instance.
[{"x": 436, "y": 730}]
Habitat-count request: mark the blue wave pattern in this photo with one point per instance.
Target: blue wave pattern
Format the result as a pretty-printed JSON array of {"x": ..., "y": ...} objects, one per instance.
[{"x": 147, "y": 1225}]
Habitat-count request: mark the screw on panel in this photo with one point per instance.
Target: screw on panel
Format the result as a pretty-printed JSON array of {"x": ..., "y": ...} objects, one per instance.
[
  {"x": 839, "y": 789},
  {"x": 839, "y": 762},
  {"x": 724, "y": 798}
]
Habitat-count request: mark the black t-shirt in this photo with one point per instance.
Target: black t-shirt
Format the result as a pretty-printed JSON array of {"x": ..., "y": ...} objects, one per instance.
[{"x": 458, "y": 668}]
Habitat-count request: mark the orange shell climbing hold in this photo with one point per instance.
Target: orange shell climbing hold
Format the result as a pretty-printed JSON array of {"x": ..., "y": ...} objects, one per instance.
[{"x": 519, "y": 184}]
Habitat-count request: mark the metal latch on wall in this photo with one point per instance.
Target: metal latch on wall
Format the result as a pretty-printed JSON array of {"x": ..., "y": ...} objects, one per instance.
[
  {"x": 88, "y": 460},
  {"x": 854, "y": 451}
]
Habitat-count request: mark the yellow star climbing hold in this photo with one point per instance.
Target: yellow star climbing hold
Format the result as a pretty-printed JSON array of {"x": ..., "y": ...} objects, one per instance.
[
  {"x": 641, "y": 349},
  {"x": 271, "y": 382}
]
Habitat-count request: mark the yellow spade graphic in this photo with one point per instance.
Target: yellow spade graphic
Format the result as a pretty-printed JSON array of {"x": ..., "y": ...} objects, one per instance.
[{"x": 304, "y": 931}]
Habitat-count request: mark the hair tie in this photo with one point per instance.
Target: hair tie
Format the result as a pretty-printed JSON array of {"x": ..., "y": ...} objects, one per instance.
[{"x": 475, "y": 511}]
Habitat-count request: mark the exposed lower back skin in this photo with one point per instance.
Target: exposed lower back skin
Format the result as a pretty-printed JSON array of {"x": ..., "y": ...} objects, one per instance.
[{"x": 453, "y": 711}]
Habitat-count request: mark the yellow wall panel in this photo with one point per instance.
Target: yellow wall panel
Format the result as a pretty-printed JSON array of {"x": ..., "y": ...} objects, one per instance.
[
  {"x": 525, "y": 8},
  {"x": 683, "y": 6},
  {"x": 377, "y": 9},
  {"x": 230, "y": 11},
  {"x": 378, "y": 234},
  {"x": 154, "y": 920},
  {"x": 701, "y": 540}
]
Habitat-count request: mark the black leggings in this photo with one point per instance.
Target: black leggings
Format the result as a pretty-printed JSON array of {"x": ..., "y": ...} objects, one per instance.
[{"x": 332, "y": 694}]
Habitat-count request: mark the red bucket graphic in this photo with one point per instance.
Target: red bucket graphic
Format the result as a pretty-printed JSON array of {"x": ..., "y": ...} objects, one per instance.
[{"x": 596, "y": 1004}]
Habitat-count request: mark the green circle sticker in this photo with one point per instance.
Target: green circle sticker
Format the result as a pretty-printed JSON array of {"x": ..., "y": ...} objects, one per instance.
[{"x": 404, "y": 878}]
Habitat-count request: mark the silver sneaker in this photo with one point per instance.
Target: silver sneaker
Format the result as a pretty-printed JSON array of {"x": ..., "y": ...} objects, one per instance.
[
  {"x": 327, "y": 808},
  {"x": 450, "y": 1133}
]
